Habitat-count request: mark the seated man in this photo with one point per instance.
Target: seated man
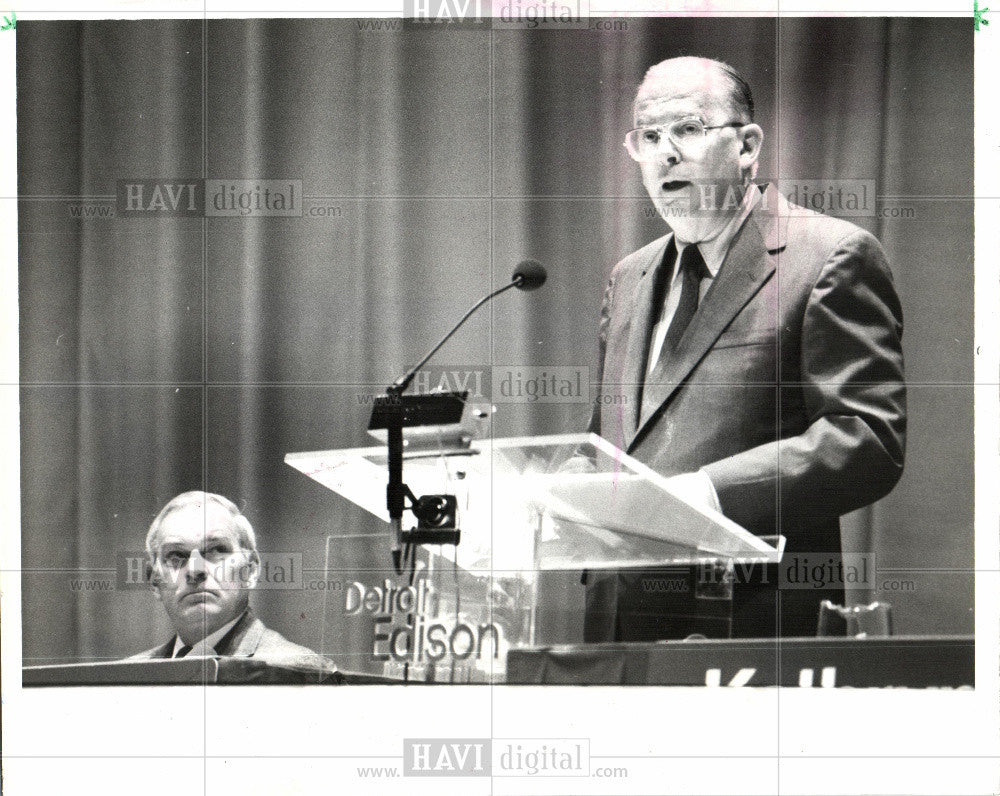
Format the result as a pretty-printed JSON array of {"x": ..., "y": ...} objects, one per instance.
[{"x": 203, "y": 564}]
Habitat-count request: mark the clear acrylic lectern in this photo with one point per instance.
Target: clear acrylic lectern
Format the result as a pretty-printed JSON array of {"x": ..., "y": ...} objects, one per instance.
[{"x": 527, "y": 507}]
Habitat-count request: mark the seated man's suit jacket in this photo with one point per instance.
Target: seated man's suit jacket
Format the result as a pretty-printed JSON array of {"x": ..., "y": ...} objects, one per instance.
[
  {"x": 786, "y": 388},
  {"x": 250, "y": 638}
]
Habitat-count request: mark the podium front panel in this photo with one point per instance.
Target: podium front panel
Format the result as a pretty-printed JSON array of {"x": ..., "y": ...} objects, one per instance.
[{"x": 441, "y": 624}]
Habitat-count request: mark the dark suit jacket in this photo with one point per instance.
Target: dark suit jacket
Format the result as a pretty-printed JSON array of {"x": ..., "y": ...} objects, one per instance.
[
  {"x": 249, "y": 637},
  {"x": 787, "y": 387}
]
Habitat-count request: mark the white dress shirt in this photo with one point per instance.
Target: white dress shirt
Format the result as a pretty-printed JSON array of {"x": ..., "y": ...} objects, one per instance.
[
  {"x": 207, "y": 645},
  {"x": 713, "y": 252}
]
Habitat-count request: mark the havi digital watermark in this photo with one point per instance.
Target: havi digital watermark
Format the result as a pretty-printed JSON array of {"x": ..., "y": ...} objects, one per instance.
[
  {"x": 496, "y": 757},
  {"x": 501, "y": 15}
]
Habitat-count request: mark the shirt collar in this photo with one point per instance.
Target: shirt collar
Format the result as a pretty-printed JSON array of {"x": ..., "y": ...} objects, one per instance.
[
  {"x": 207, "y": 645},
  {"x": 713, "y": 251}
]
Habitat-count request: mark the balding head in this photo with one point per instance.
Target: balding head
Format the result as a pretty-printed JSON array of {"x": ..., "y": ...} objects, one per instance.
[
  {"x": 203, "y": 501},
  {"x": 703, "y": 79}
]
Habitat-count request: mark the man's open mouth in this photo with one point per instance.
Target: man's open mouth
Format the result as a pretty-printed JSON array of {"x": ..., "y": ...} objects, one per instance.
[{"x": 674, "y": 185}]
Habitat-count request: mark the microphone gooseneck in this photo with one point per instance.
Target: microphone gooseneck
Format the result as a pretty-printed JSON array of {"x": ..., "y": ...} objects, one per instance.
[{"x": 529, "y": 275}]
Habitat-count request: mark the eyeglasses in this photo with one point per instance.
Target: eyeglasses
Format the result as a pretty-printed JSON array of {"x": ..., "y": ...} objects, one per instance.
[{"x": 643, "y": 143}]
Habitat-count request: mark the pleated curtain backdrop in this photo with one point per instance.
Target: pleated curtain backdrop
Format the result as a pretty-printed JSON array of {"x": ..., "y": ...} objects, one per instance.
[{"x": 159, "y": 355}]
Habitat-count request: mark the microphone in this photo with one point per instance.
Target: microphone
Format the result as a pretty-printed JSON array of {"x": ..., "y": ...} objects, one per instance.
[{"x": 528, "y": 275}]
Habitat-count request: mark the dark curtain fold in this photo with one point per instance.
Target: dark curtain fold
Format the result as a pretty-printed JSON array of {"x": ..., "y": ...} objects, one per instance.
[{"x": 159, "y": 355}]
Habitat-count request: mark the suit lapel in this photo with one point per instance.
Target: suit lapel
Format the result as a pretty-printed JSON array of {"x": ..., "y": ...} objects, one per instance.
[
  {"x": 746, "y": 267},
  {"x": 243, "y": 638},
  {"x": 164, "y": 650},
  {"x": 640, "y": 330}
]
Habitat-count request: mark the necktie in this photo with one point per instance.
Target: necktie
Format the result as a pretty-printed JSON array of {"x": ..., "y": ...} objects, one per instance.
[
  {"x": 183, "y": 651},
  {"x": 693, "y": 270}
]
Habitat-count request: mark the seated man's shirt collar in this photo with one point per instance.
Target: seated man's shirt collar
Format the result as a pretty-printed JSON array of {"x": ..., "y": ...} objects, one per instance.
[{"x": 207, "y": 645}]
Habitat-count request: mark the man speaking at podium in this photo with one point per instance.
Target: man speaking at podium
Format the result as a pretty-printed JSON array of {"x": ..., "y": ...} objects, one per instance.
[
  {"x": 204, "y": 564},
  {"x": 754, "y": 350}
]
